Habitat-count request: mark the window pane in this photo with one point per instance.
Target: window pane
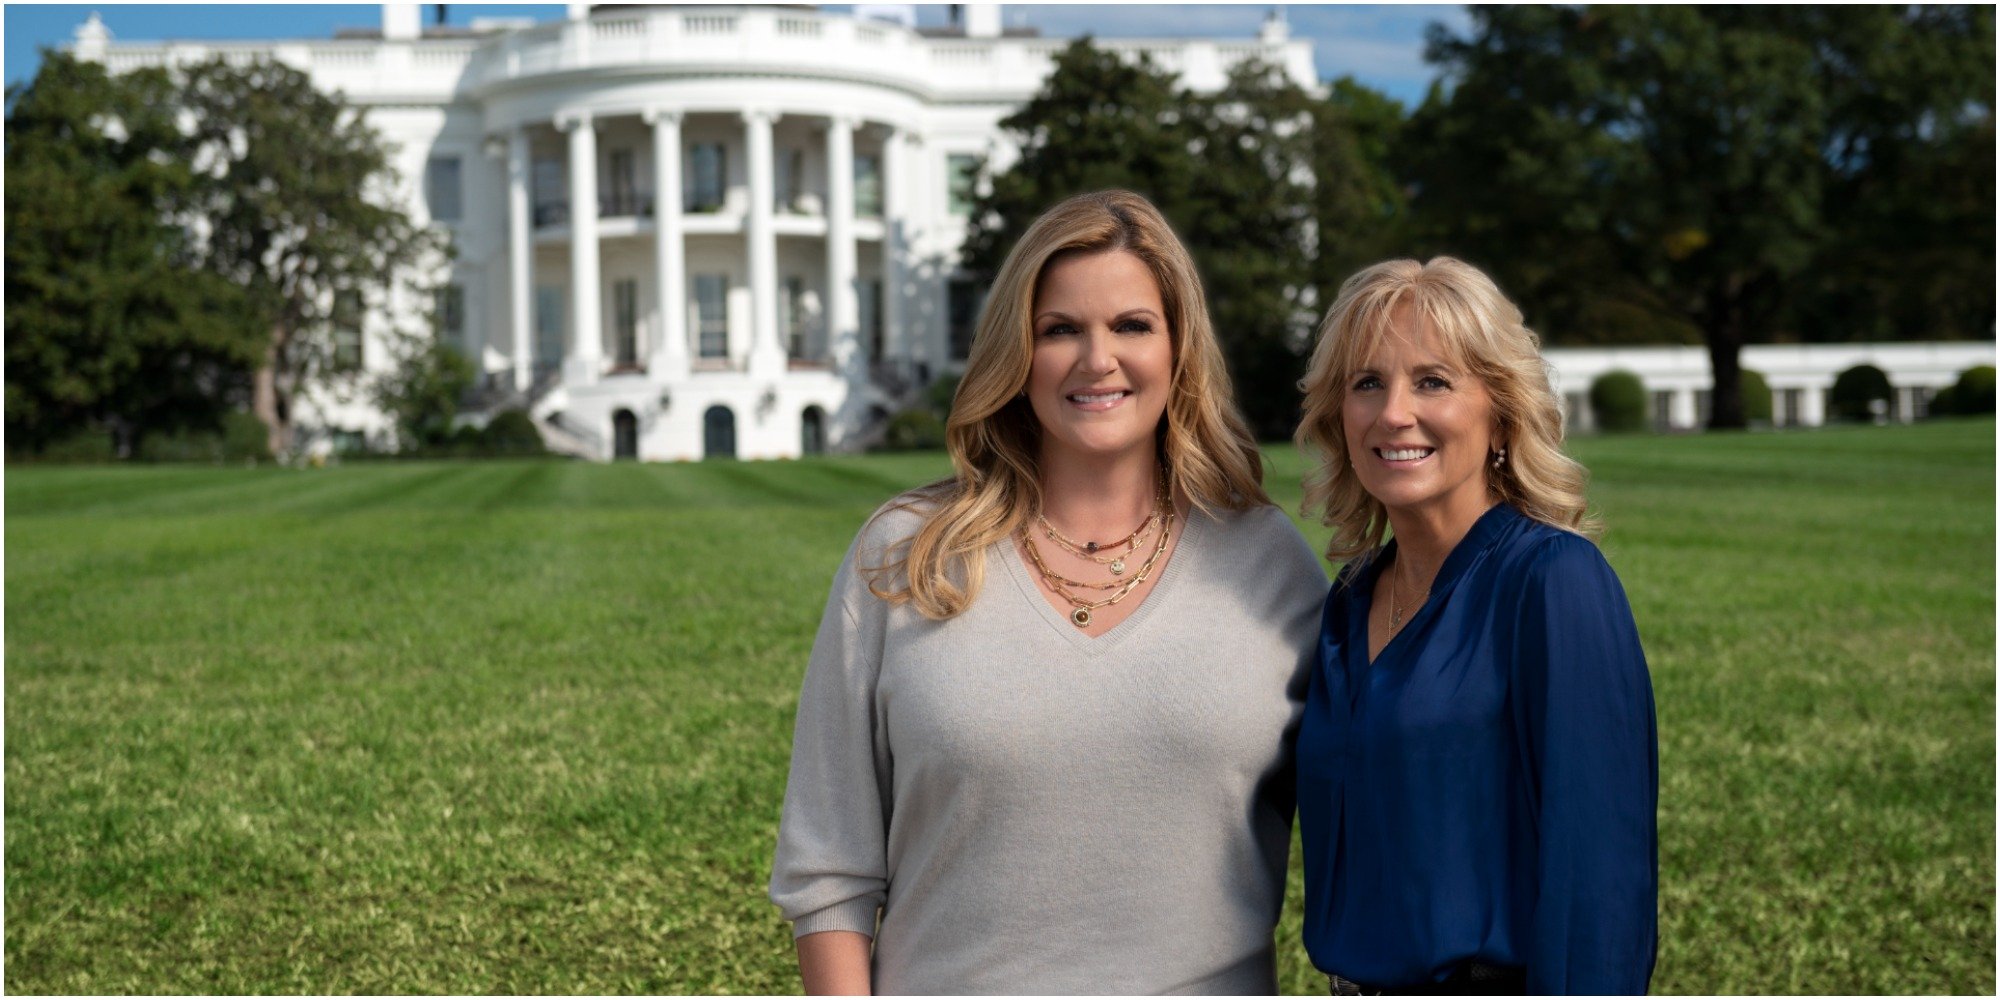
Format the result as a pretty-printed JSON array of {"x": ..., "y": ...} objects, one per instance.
[
  {"x": 711, "y": 309},
  {"x": 548, "y": 325},
  {"x": 450, "y": 316},
  {"x": 964, "y": 171},
  {"x": 871, "y": 316},
  {"x": 625, "y": 317},
  {"x": 624, "y": 192},
  {"x": 551, "y": 200},
  {"x": 868, "y": 185},
  {"x": 706, "y": 176},
  {"x": 441, "y": 188},
  {"x": 348, "y": 316},
  {"x": 963, "y": 306}
]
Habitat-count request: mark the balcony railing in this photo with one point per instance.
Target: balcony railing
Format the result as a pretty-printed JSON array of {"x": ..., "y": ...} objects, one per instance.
[{"x": 633, "y": 205}]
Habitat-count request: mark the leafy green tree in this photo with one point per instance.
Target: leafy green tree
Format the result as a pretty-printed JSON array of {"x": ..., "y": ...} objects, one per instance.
[
  {"x": 298, "y": 211},
  {"x": 421, "y": 390},
  {"x": 1234, "y": 172},
  {"x": 1642, "y": 172},
  {"x": 109, "y": 322}
]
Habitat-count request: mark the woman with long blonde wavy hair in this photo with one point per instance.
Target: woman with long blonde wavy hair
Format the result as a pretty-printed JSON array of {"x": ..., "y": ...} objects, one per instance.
[
  {"x": 1477, "y": 767},
  {"x": 1042, "y": 744}
]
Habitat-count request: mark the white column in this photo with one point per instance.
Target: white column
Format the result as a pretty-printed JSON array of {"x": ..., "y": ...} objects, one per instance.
[
  {"x": 521, "y": 256},
  {"x": 669, "y": 360},
  {"x": 1682, "y": 412},
  {"x": 895, "y": 208},
  {"x": 585, "y": 362},
  {"x": 843, "y": 312},
  {"x": 1812, "y": 405},
  {"x": 767, "y": 354}
]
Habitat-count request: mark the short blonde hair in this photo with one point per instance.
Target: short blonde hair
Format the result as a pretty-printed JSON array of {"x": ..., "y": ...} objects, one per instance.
[
  {"x": 1483, "y": 332},
  {"x": 994, "y": 438}
]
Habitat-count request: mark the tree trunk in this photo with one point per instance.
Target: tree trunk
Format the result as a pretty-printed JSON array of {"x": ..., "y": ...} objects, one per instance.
[
  {"x": 267, "y": 402},
  {"x": 1725, "y": 346}
]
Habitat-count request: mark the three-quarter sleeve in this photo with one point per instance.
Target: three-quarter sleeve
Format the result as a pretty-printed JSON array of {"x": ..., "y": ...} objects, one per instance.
[
  {"x": 830, "y": 872},
  {"x": 1590, "y": 758}
]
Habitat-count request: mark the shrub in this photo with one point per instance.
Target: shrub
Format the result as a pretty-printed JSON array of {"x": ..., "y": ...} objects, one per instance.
[
  {"x": 1856, "y": 390},
  {"x": 940, "y": 394},
  {"x": 914, "y": 430},
  {"x": 1971, "y": 395},
  {"x": 512, "y": 432},
  {"x": 1618, "y": 399},
  {"x": 1756, "y": 397}
]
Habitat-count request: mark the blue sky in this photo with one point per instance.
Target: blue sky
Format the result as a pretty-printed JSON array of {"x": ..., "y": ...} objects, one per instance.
[{"x": 1380, "y": 45}]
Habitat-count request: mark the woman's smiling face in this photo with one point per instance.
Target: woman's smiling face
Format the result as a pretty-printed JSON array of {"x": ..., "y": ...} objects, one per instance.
[
  {"x": 1419, "y": 427},
  {"x": 1103, "y": 360}
]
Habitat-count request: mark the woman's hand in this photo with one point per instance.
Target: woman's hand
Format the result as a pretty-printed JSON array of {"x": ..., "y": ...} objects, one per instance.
[{"x": 835, "y": 963}]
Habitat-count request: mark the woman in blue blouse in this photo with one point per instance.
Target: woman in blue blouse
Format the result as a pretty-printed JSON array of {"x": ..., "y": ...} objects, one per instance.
[{"x": 1477, "y": 767}]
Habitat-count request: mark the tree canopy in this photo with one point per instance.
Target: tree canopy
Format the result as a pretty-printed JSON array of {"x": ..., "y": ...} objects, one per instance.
[
  {"x": 110, "y": 322},
  {"x": 1730, "y": 173},
  {"x": 298, "y": 211},
  {"x": 1232, "y": 171},
  {"x": 180, "y": 244}
]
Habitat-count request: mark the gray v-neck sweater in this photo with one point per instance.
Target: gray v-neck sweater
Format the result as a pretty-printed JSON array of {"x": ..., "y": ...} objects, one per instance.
[{"x": 1032, "y": 810}]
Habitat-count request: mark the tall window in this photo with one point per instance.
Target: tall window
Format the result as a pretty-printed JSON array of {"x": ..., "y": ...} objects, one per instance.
[
  {"x": 450, "y": 317},
  {"x": 868, "y": 185},
  {"x": 795, "y": 318},
  {"x": 791, "y": 179},
  {"x": 551, "y": 201},
  {"x": 870, "y": 295},
  {"x": 1663, "y": 409},
  {"x": 548, "y": 325},
  {"x": 624, "y": 198},
  {"x": 441, "y": 188},
  {"x": 625, "y": 319},
  {"x": 962, "y": 309},
  {"x": 707, "y": 174},
  {"x": 711, "y": 301},
  {"x": 964, "y": 177},
  {"x": 347, "y": 321}
]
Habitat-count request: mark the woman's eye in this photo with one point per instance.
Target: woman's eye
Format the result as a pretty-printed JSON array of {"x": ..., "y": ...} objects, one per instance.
[
  {"x": 1433, "y": 382},
  {"x": 1367, "y": 382},
  {"x": 1057, "y": 330},
  {"x": 1135, "y": 326}
]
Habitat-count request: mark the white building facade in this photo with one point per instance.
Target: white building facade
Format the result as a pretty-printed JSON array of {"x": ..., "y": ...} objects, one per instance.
[
  {"x": 693, "y": 231},
  {"x": 698, "y": 231}
]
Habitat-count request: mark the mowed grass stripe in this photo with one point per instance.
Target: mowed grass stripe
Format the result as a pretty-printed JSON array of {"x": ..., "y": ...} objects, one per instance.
[{"x": 524, "y": 726}]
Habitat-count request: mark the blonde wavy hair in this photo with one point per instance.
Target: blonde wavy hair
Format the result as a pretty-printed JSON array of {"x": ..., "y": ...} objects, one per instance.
[
  {"x": 994, "y": 438},
  {"x": 1483, "y": 332}
]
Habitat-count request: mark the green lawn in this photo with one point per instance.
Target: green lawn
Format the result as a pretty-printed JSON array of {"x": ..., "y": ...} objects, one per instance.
[{"x": 523, "y": 727}]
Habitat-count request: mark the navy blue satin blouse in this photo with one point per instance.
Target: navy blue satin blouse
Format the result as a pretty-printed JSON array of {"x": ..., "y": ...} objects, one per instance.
[{"x": 1485, "y": 790}]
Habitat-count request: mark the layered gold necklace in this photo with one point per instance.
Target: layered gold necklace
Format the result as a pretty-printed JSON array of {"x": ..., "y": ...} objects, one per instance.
[{"x": 1110, "y": 555}]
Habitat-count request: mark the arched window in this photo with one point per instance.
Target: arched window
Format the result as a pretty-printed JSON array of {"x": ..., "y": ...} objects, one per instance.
[
  {"x": 624, "y": 435},
  {"x": 718, "y": 433},
  {"x": 812, "y": 431}
]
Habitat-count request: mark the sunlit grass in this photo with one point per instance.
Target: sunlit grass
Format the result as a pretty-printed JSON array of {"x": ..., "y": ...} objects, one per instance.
[{"x": 522, "y": 727}]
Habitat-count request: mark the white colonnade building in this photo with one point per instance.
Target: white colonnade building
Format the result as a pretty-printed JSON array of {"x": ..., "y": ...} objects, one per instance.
[{"x": 692, "y": 231}]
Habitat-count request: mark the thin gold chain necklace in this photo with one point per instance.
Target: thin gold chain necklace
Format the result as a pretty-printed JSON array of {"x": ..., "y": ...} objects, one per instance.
[
  {"x": 1396, "y": 600},
  {"x": 1115, "y": 560}
]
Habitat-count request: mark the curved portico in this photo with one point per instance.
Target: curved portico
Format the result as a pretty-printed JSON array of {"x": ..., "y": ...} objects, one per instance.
[{"x": 705, "y": 250}]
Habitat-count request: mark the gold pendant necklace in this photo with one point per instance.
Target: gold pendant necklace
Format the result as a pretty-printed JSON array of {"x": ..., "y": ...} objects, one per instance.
[{"x": 1396, "y": 598}]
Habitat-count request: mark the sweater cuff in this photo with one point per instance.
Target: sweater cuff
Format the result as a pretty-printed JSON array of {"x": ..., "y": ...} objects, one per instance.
[{"x": 854, "y": 915}]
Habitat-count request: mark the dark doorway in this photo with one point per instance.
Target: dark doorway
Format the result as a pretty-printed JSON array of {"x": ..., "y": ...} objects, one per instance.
[
  {"x": 812, "y": 431},
  {"x": 718, "y": 433},
  {"x": 624, "y": 435}
]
